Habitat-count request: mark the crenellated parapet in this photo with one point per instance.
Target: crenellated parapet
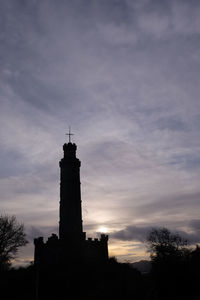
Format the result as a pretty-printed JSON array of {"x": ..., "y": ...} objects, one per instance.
[
  {"x": 39, "y": 241},
  {"x": 96, "y": 250},
  {"x": 103, "y": 238}
]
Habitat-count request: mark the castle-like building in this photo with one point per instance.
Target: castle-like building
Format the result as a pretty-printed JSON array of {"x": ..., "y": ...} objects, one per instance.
[{"x": 71, "y": 246}]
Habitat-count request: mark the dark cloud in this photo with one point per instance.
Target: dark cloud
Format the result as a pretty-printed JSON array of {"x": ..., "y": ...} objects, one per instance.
[
  {"x": 135, "y": 233},
  {"x": 191, "y": 160},
  {"x": 34, "y": 232},
  {"x": 132, "y": 233},
  {"x": 16, "y": 164},
  {"x": 40, "y": 231},
  {"x": 170, "y": 205},
  {"x": 171, "y": 123},
  {"x": 195, "y": 224}
]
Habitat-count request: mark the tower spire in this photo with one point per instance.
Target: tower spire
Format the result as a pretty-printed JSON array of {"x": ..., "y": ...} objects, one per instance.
[{"x": 69, "y": 134}]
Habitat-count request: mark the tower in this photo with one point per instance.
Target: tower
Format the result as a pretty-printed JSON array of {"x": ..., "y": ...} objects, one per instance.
[
  {"x": 71, "y": 246},
  {"x": 70, "y": 225}
]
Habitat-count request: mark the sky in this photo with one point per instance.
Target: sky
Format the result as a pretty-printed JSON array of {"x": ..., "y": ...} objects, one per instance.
[{"x": 124, "y": 74}]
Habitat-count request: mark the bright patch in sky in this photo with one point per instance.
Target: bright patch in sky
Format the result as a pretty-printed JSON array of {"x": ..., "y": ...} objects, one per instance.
[{"x": 102, "y": 229}]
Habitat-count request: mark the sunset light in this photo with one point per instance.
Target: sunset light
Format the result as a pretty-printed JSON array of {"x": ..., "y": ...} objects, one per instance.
[{"x": 102, "y": 229}]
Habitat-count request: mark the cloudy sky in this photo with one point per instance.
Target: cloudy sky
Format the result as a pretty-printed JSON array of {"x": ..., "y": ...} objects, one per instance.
[{"x": 125, "y": 75}]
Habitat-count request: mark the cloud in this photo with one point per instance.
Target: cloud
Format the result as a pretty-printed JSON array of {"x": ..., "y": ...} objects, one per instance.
[
  {"x": 171, "y": 123},
  {"x": 42, "y": 231},
  {"x": 169, "y": 204},
  {"x": 125, "y": 76},
  {"x": 131, "y": 233},
  {"x": 135, "y": 233},
  {"x": 195, "y": 224}
]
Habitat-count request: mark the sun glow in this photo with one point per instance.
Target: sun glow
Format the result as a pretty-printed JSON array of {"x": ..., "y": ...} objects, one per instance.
[{"x": 102, "y": 229}]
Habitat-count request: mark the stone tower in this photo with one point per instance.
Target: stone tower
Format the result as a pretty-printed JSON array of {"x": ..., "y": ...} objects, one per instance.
[
  {"x": 70, "y": 225},
  {"x": 71, "y": 246}
]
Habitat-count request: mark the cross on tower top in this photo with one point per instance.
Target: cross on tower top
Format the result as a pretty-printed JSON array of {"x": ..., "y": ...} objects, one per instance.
[{"x": 69, "y": 134}]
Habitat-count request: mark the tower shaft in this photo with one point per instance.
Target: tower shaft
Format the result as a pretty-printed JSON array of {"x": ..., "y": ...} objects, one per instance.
[{"x": 70, "y": 226}]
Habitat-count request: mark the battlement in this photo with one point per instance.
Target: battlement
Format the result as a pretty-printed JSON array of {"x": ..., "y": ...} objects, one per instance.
[
  {"x": 55, "y": 251},
  {"x": 69, "y": 150},
  {"x": 39, "y": 241},
  {"x": 91, "y": 240},
  {"x": 103, "y": 238},
  {"x": 53, "y": 239}
]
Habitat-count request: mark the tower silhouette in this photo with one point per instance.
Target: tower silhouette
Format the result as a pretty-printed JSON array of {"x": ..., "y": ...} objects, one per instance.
[
  {"x": 71, "y": 246},
  {"x": 70, "y": 226}
]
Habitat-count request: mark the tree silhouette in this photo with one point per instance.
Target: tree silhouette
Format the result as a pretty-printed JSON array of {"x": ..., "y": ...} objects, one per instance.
[
  {"x": 165, "y": 245},
  {"x": 12, "y": 237},
  {"x": 170, "y": 258}
]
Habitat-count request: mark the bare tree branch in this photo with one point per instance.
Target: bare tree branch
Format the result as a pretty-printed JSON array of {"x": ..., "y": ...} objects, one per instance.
[{"x": 12, "y": 237}]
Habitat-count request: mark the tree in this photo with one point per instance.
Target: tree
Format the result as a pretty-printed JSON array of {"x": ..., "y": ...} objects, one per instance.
[
  {"x": 12, "y": 237},
  {"x": 165, "y": 245},
  {"x": 175, "y": 267}
]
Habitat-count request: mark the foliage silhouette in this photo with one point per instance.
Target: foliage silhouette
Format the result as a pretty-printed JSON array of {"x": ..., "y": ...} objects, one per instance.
[
  {"x": 165, "y": 245},
  {"x": 12, "y": 237},
  {"x": 173, "y": 272}
]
